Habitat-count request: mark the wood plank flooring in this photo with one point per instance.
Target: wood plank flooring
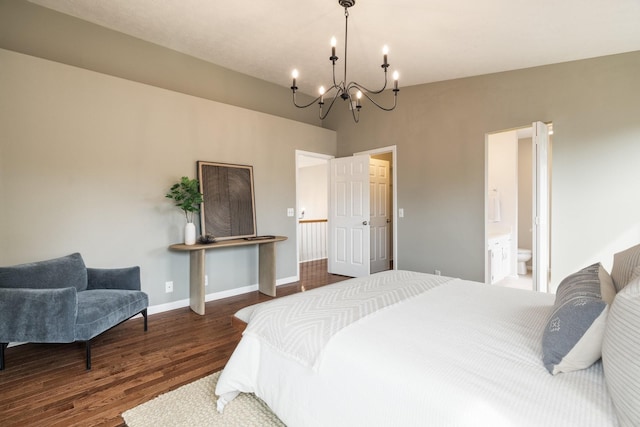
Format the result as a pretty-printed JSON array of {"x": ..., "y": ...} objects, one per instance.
[{"x": 47, "y": 384}]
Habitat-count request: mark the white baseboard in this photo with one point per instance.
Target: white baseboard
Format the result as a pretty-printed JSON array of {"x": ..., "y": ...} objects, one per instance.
[
  {"x": 13, "y": 344},
  {"x": 160, "y": 308}
]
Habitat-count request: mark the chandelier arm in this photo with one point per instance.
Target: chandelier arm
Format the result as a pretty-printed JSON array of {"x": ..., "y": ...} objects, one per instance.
[
  {"x": 338, "y": 92},
  {"x": 355, "y": 112},
  {"x": 363, "y": 89},
  {"x": 323, "y": 116},
  {"x": 304, "y": 106},
  {"x": 395, "y": 101}
]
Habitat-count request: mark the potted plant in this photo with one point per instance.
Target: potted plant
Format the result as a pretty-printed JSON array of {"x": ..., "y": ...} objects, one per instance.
[{"x": 186, "y": 195}]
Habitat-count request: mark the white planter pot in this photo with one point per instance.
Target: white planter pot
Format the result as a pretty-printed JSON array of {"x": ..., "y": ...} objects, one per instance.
[{"x": 189, "y": 234}]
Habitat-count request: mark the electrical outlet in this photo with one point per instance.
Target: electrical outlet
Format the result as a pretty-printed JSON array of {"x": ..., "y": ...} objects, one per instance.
[
  {"x": 168, "y": 287},
  {"x": 206, "y": 280},
  {"x": 438, "y": 272}
]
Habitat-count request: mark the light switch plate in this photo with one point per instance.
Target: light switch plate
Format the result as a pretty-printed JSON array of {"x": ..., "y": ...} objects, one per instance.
[
  {"x": 401, "y": 213},
  {"x": 290, "y": 212}
]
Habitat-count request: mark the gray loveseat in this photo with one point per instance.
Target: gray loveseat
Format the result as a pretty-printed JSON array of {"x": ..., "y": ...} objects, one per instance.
[{"x": 62, "y": 301}]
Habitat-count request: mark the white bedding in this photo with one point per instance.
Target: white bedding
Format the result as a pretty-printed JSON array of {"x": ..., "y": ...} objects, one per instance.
[
  {"x": 301, "y": 325},
  {"x": 459, "y": 354}
]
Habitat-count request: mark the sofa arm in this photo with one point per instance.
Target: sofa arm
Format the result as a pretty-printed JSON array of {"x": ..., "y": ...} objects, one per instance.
[
  {"x": 114, "y": 278},
  {"x": 38, "y": 315}
]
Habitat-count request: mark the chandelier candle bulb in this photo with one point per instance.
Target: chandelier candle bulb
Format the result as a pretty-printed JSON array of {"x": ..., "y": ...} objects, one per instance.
[
  {"x": 396, "y": 76},
  {"x": 358, "y": 97},
  {"x": 321, "y": 90},
  {"x": 334, "y": 42},
  {"x": 385, "y": 52},
  {"x": 294, "y": 74}
]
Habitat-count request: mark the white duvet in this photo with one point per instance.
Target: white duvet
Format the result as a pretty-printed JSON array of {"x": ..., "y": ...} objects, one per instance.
[{"x": 457, "y": 354}]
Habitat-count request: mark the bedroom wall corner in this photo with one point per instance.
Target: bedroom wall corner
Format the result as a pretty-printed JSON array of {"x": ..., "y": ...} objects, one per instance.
[
  {"x": 439, "y": 130},
  {"x": 86, "y": 159}
]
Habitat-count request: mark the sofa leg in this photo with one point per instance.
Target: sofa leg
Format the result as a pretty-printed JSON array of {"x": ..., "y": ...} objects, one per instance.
[
  {"x": 88, "y": 345},
  {"x": 144, "y": 314},
  {"x": 3, "y": 345}
]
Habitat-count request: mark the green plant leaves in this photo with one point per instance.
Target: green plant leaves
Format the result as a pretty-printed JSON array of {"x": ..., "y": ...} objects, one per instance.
[{"x": 186, "y": 195}]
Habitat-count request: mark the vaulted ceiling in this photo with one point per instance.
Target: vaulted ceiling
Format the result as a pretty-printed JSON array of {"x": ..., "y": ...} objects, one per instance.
[{"x": 428, "y": 40}]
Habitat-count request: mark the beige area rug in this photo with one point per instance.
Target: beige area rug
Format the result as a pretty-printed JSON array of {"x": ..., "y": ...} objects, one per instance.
[{"x": 194, "y": 405}]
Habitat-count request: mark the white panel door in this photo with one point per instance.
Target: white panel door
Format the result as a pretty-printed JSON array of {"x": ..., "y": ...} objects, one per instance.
[
  {"x": 349, "y": 216},
  {"x": 379, "y": 209},
  {"x": 541, "y": 207}
]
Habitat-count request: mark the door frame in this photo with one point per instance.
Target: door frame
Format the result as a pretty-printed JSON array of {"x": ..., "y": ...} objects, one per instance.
[
  {"x": 394, "y": 194},
  {"x": 546, "y": 239},
  {"x": 541, "y": 206},
  {"x": 299, "y": 153}
]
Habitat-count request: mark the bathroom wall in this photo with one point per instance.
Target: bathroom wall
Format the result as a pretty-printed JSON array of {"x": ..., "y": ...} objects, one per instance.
[
  {"x": 525, "y": 194},
  {"x": 502, "y": 175}
]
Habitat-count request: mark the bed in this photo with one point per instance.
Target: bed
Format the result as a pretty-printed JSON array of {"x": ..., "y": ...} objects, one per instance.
[{"x": 407, "y": 348}]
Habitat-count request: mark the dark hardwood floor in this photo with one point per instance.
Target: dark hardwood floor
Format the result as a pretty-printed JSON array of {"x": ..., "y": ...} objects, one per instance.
[{"x": 47, "y": 384}]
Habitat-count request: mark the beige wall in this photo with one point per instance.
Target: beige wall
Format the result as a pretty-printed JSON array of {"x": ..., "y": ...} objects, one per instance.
[
  {"x": 440, "y": 129},
  {"x": 42, "y": 32},
  {"x": 313, "y": 191},
  {"x": 86, "y": 158}
]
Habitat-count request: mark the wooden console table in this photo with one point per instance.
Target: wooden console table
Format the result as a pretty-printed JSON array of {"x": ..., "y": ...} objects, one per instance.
[{"x": 266, "y": 266}]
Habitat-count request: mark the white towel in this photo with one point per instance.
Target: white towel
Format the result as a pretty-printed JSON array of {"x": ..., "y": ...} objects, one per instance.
[{"x": 494, "y": 206}]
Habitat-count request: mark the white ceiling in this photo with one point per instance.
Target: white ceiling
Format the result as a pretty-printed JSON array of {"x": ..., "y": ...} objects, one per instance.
[{"x": 429, "y": 40}]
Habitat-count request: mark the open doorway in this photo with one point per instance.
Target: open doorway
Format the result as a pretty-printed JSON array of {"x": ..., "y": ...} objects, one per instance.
[
  {"x": 312, "y": 171},
  {"x": 312, "y": 204},
  {"x": 517, "y": 215},
  {"x": 383, "y": 227}
]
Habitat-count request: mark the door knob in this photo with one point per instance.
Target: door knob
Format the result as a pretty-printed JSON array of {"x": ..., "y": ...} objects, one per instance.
[
  {"x": 364, "y": 223},
  {"x": 388, "y": 221}
]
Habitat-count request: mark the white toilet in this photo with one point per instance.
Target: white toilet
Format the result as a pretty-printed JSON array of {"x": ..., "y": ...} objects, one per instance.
[{"x": 524, "y": 255}]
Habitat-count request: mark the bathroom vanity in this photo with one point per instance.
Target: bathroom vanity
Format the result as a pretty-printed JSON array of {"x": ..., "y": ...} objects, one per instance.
[{"x": 499, "y": 256}]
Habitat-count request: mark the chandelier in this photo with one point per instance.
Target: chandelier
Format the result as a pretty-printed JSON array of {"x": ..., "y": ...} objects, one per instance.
[{"x": 352, "y": 91}]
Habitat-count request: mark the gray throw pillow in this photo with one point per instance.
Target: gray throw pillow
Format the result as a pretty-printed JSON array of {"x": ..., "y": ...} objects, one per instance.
[
  {"x": 620, "y": 354},
  {"x": 572, "y": 338}
]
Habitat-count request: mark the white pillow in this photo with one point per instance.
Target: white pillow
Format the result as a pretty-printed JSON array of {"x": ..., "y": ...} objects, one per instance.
[
  {"x": 621, "y": 354},
  {"x": 607, "y": 287},
  {"x": 624, "y": 265}
]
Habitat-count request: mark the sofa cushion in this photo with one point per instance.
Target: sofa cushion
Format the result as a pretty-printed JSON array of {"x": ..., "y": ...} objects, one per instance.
[
  {"x": 101, "y": 309},
  {"x": 114, "y": 278},
  {"x": 63, "y": 272}
]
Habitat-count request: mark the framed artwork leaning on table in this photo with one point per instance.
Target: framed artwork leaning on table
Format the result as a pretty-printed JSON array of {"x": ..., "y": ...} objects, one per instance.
[{"x": 228, "y": 208}]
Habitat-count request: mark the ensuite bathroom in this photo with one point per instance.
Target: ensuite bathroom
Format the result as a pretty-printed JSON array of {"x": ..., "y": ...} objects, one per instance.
[{"x": 510, "y": 208}]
